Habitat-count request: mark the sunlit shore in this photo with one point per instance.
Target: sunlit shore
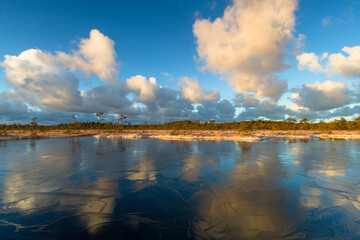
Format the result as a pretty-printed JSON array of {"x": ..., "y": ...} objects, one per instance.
[{"x": 185, "y": 135}]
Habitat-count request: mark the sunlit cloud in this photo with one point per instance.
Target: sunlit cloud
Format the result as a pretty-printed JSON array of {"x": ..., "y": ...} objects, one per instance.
[
  {"x": 96, "y": 55},
  {"x": 322, "y": 96},
  {"x": 144, "y": 88},
  {"x": 309, "y": 61},
  {"x": 192, "y": 91},
  {"x": 248, "y": 43},
  {"x": 40, "y": 82},
  {"x": 345, "y": 63}
]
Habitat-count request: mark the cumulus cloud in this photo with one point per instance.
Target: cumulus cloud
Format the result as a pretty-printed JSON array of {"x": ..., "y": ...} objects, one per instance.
[
  {"x": 348, "y": 65},
  {"x": 160, "y": 103},
  {"x": 42, "y": 84},
  {"x": 111, "y": 99},
  {"x": 167, "y": 106},
  {"x": 345, "y": 111},
  {"x": 223, "y": 110},
  {"x": 309, "y": 61},
  {"x": 298, "y": 112},
  {"x": 11, "y": 107},
  {"x": 192, "y": 91},
  {"x": 206, "y": 111},
  {"x": 265, "y": 109},
  {"x": 39, "y": 82},
  {"x": 246, "y": 100},
  {"x": 268, "y": 109},
  {"x": 145, "y": 89},
  {"x": 322, "y": 96},
  {"x": 96, "y": 55},
  {"x": 226, "y": 109},
  {"x": 248, "y": 44},
  {"x": 43, "y": 81}
]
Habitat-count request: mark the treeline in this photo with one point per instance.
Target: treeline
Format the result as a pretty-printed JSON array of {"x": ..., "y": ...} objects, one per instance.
[{"x": 288, "y": 124}]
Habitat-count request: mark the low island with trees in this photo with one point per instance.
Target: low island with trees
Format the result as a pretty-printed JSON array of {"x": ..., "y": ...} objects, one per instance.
[{"x": 251, "y": 130}]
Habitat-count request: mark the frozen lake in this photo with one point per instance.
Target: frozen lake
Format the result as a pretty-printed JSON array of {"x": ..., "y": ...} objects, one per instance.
[{"x": 152, "y": 189}]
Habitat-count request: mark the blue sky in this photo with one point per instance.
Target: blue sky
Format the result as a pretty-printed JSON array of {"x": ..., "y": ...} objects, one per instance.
[{"x": 158, "y": 39}]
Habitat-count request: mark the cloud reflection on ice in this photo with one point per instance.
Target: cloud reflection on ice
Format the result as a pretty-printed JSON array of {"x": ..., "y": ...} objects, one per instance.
[{"x": 193, "y": 190}]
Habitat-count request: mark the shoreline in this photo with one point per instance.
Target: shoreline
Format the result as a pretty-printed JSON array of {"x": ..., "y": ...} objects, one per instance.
[{"x": 188, "y": 135}]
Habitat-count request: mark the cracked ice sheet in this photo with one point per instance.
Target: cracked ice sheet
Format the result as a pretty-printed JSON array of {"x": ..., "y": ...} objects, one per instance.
[{"x": 151, "y": 189}]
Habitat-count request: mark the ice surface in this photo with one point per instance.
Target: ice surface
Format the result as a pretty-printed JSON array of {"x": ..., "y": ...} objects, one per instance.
[{"x": 152, "y": 189}]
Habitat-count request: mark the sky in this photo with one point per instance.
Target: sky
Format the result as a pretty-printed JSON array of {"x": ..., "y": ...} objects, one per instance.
[{"x": 160, "y": 60}]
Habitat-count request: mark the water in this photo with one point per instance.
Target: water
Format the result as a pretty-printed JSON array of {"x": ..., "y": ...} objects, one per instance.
[{"x": 151, "y": 189}]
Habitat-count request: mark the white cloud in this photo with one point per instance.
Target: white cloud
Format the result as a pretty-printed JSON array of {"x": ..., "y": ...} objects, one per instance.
[
  {"x": 192, "y": 91},
  {"x": 348, "y": 65},
  {"x": 309, "y": 61},
  {"x": 40, "y": 82},
  {"x": 96, "y": 55},
  {"x": 160, "y": 103},
  {"x": 145, "y": 89},
  {"x": 322, "y": 96},
  {"x": 44, "y": 83},
  {"x": 43, "y": 86},
  {"x": 248, "y": 44}
]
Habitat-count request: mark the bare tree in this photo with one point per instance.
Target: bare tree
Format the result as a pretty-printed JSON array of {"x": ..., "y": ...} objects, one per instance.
[
  {"x": 33, "y": 126},
  {"x": 73, "y": 117},
  {"x": 122, "y": 118},
  {"x": 99, "y": 116},
  {"x": 113, "y": 122}
]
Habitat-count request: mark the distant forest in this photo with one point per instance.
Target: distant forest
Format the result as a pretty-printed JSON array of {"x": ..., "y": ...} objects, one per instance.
[{"x": 288, "y": 124}]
